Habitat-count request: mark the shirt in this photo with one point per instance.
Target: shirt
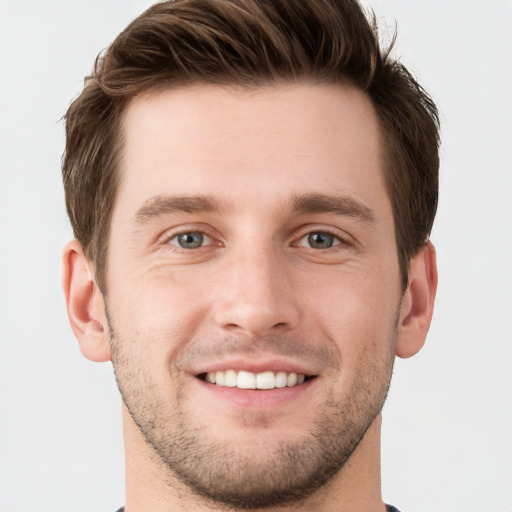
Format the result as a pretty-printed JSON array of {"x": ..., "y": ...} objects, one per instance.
[{"x": 389, "y": 508}]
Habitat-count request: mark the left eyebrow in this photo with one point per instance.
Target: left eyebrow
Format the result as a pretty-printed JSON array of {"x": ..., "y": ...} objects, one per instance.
[
  {"x": 165, "y": 205},
  {"x": 339, "y": 205}
]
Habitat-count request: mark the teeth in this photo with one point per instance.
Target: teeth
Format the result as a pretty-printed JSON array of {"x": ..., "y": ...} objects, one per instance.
[
  {"x": 281, "y": 379},
  {"x": 245, "y": 380},
  {"x": 249, "y": 380},
  {"x": 291, "y": 380},
  {"x": 231, "y": 380},
  {"x": 266, "y": 380}
]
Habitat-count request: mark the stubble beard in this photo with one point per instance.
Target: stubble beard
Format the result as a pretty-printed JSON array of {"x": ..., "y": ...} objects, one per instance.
[{"x": 233, "y": 476}]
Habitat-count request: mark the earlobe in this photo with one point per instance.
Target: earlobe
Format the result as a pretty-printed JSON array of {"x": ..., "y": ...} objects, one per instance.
[
  {"x": 84, "y": 304},
  {"x": 417, "y": 302}
]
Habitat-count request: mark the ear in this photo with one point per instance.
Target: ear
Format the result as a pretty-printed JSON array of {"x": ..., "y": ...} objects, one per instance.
[
  {"x": 85, "y": 305},
  {"x": 417, "y": 302}
]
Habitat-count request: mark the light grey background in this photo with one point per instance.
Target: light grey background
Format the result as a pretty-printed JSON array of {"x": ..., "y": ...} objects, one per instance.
[{"x": 447, "y": 425}]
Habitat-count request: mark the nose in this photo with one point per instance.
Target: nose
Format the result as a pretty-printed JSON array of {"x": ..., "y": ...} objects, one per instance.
[{"x": 255, "y": 294}]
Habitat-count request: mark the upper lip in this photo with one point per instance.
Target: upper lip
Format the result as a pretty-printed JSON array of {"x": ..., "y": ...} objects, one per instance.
[{"x": 274, "y": 364}]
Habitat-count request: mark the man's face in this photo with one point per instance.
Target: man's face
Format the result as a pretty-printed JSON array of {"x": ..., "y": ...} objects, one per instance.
[{"x": 252, "y": 244}]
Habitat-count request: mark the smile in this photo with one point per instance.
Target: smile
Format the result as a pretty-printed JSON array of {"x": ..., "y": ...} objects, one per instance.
[{"x": 248, "y": 380}]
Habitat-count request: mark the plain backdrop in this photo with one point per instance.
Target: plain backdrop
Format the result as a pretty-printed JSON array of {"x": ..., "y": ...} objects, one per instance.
[{"x": 447, "y": 438}]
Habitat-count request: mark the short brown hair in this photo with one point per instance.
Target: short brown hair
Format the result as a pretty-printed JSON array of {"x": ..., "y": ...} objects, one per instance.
[{"x": 250, "y": 43}]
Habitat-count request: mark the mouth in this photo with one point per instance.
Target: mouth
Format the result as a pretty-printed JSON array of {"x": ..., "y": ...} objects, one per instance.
[{"x": 265, "y": 380}]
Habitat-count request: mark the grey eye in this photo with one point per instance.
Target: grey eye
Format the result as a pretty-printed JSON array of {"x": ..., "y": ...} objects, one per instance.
[
  {"x": 190, "y": 240},
  {"x": 319, "y": 240}
]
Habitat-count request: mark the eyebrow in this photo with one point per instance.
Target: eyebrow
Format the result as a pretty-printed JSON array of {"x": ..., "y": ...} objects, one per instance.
[
  {"x": 307, "y": 203},
  {"x": 165, "y": 205},
  {"x": 339, "y": 205}
]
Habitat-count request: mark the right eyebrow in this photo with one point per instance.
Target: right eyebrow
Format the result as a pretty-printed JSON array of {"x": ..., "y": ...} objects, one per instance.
[
  {"x": 165, "y": 205},
  {"x": 339, "y": 205}
]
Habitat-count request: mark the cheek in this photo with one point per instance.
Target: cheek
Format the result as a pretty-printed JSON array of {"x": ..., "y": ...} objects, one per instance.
[
  {"x": 158, "y": 307},
  {"x": 356, "y": 310}
]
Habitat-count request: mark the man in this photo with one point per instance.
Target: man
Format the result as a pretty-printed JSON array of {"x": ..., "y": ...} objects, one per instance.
[{"x": 251, "y": 185}]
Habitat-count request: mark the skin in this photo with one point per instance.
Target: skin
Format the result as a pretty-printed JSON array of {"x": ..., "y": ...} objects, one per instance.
[{"x": 276, "y": 164}]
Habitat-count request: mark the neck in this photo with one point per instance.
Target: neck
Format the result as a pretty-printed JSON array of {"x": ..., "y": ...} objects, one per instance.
[{"x": 150, "y": 485}]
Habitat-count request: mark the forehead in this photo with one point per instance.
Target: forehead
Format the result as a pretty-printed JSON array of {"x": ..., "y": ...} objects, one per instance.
[{"x": 259, "y": 145}]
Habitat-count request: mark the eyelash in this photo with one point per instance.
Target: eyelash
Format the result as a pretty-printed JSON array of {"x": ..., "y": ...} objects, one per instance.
[
  {"x": 338, "y": 240},
  {"x": 341, "y": 240},
  {"x": 176, "y": 236}
]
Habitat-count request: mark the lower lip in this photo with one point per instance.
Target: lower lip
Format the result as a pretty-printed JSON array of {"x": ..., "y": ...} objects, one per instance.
[{"x": 254, "y": 398}]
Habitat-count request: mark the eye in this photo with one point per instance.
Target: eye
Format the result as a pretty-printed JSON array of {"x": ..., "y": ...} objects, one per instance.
[
  {"x": 319, "y": 240},
  {"x": 190, "y": 240}
]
